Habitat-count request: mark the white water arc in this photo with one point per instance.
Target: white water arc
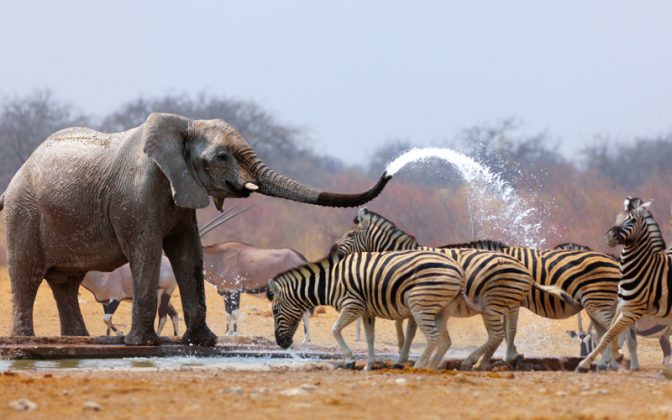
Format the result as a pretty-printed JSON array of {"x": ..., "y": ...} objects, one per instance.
[{"x": 494, "y": 203}]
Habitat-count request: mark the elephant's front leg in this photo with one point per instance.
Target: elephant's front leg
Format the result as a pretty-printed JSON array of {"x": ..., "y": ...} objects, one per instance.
[
  {"x": 186, "y": 256},
  {"x": 145, "y": 267}
]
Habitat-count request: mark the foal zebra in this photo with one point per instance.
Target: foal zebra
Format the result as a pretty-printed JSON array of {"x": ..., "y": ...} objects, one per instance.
[
  {"x": 589, "y": 278},
  {"x": 644, "y": 289},
  {"x": 393, "y": 285}
]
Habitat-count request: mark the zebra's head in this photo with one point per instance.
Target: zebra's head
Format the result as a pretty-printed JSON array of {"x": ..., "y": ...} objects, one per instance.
[
  {"x": 355, "y": 240},
  {"x": 372, "y": 233},
  {"x": 287, "y": 313},
  {"x": 630, "y": 223}
]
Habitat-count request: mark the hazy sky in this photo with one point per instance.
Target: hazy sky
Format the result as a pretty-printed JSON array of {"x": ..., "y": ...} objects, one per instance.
[{"x": 357, "y": 73}]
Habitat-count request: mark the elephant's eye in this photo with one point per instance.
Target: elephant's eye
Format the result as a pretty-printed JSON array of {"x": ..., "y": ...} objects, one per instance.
[{"x": 222, "y": 156}]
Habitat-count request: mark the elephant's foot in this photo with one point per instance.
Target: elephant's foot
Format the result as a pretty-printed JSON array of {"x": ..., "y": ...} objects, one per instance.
[
  {"x": 19, "y": 331},
  {"x": 349, "y": 365},
  {"x": 143, "y": 338},
  {"x": 75, "y": 330},
  {"x": 200, "y": 337}
]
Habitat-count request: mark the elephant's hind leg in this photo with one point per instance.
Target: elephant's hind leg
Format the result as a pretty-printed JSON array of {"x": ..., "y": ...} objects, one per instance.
[{"x": 65, "y": 294}]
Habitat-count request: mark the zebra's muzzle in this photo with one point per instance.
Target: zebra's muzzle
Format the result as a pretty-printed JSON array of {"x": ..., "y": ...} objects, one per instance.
[
  {"x": 283, "y": 341},
  {"x": 613, "y": 236}
]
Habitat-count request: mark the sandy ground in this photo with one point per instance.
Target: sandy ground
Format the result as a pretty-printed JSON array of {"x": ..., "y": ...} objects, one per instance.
[{"x": 324, "y": 392}]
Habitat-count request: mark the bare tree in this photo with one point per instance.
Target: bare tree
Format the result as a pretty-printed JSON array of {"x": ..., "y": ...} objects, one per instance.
[{"x": 25, "y": 122}]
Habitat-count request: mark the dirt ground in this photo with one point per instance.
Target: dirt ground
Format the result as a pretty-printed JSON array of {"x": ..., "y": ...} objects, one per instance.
[{"x": 283, "y": 392}]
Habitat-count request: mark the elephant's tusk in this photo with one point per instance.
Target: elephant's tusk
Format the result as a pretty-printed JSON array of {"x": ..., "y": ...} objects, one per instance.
[{"x": 250, "y": 186}]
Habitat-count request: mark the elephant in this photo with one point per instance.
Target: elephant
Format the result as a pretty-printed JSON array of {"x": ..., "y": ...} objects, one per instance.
[
  {"x": 90, "y": 201},
  {"x": 235, "y": 267},
  {"x": 112, "y": 288}
]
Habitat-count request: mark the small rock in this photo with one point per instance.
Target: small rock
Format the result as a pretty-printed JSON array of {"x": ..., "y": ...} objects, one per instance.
[
  {"x": 308, "y": 387},
  {"x": 236, "y": 390},
  {"x": 263, "y": 390},
  {"x": 600, "y": 392},
  {"x": 400, "y": 381},
  {"x": 23, "y": 404},
  {"x": 667, "y": 371},
  {"x": 92, "y": 406},
  {"x": 293, "y": 392},
  {"x": 66, "y": 392},
  {"x": 561, "y": 394}
]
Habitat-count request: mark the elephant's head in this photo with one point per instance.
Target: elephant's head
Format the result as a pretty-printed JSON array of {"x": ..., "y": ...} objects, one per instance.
[{"x": 204, "y": 158}]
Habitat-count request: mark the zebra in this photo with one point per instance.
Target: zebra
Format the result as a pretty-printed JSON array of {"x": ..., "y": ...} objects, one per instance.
[
  {"x": 393, "y": 285},
  {"x": 647, "y": 328},
  {"x": 645, "y": 269},
  {"x": 589, "y": 280},
  {"x": 501, "y": 272}
]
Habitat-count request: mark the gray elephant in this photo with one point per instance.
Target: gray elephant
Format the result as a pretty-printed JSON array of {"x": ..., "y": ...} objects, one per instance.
[{"x": 86, "y": 200}]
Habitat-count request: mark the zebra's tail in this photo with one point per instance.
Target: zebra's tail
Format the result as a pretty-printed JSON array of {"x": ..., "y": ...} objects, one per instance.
[{"x": 559, "y": 292}]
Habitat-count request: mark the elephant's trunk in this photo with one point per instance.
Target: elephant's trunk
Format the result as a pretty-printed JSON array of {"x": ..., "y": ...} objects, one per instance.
[{"x": 273, "y": 184}]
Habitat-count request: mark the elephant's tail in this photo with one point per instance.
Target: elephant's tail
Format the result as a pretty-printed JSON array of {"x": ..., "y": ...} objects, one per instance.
[{"x": 2, "y": 201}]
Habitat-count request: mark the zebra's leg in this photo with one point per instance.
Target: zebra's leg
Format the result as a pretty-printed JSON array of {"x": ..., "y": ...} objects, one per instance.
[
  {"x": 110, "y": 308},
  {"x": 600, "y": 321},
  {"x": 370, "y": 333},
  {"x": 480, "y": 358},
  {"x": 444, "y": 339},
  {"x": 495, "y": 326},
  {"x": 348, "y": 316},
  {"x": 511, "y": 325},
  {"x": 664, "y": 341},
  {"x": 399, "y": 325},
  {"x": 622, "y": 321},
  {"x": 631, "y": 339},
  {"x": 306, "y": 328},
  {"x": 358, "y": 332},
  {"x": 427, "y": 324},
  {"x": 411, "y": 328},
  {"x": 235, "y": 303}
]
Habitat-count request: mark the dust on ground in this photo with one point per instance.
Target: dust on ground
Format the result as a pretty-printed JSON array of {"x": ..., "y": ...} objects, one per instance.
[{"x": 321, "y": 391}]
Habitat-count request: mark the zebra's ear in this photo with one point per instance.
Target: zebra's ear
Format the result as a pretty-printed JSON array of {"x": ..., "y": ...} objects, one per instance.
[
  {"x": 646, "y": 205},
  {"x": 361, "y": 215}
]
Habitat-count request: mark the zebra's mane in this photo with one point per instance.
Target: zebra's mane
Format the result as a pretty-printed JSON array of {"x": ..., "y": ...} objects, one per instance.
[
  {"x": 572, "y": 246},
  {"x": 488, "y": 244},
  {"x": 387, "y": 224},
  {"x": 310, "y": 266},
  {"x": 654, "y": 229}
]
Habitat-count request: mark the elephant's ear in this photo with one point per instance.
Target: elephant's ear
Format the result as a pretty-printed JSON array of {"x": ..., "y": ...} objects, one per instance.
[{"x": 164, "y": 136}]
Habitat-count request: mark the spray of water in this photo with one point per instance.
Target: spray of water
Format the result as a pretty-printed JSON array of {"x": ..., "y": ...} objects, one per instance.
[{"x": 493, "y": 202}]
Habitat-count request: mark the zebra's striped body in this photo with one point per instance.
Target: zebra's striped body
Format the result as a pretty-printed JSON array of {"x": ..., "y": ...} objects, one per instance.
[
  {"x": 644, "y": 289},
  {"x": 495, "y": 283},
  {"x": 591, "y": 279},
  {"x": 394, "y": 285},
  {"x": 648, "y": 328}
]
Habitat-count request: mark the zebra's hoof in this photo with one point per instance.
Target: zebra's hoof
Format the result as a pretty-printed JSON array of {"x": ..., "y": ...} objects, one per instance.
[
  {"x": 349, "y": 365},
  {"x": 580, "y": 369}
]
